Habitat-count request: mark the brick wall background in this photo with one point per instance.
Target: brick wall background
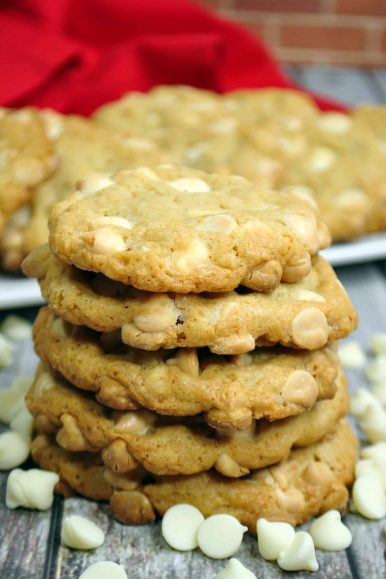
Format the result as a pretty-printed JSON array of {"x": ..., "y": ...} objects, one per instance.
[{"x": 344, "y": 32}]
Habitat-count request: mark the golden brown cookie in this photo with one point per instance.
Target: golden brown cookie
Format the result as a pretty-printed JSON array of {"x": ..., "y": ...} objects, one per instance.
[
  {"x": 82, "y": 147},
  {"x": 310, "y": 481},
  {"x": 304, "y": 314},
  {"x": 269, "y": 383},
  {"x": 26, "y": 158},
  {"x": 170, "y": 445},
  {"x": 177, "y": 229}
]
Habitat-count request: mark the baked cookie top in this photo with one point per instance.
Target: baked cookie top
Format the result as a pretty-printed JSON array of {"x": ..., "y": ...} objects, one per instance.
[
  {"x": 304, "y": 314},
  {"x": 309, "y": 481},
  {"x": 81, "y": 147},
  {"x": 177, "y": 229},
  {"x": 170, "y": 445},
  {"x": 26, "y": 158},
  {"x": 230, "y": 391}
]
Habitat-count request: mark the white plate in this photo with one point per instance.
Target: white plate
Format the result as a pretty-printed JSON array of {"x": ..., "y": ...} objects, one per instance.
[{"x": 19, "y": 292}]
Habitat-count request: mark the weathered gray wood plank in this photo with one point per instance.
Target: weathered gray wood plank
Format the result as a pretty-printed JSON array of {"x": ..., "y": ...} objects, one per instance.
[{"x": 23, "y": 533}]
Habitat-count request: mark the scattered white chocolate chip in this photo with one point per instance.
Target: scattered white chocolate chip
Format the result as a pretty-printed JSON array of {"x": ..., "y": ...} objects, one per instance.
[
  {"x": 220, "y": 536},
  {"x": 379, "y": 391},
  {"x": 16, "y": 328},
  {"x": 305, "y": 295},
  {"x": 32, "y": 489},
  {"x": 22, "y": 422},
  {"x": 377, "y": 450},
  {"x": 373, "y": 422},
  {"x": 11, "y": 398},
  {"x": 352, "y": 355},
  {"x": 376, "y": 369},
  {"x": 361, "y": 401},
  {"x": 14, "y": 450},
  {"x": 6, "y": 351},
  {"x": 104, "y": 569},
  {"x": 329, "y": 533},
  {"x": 273, "y": 538},
  {"x": 300, "y": 555},
  {"x": 334, "y": 122},
  {"x": 81, "y": 533},
  {"x": 372, "y": 467},
  {"x": 107, "y": 241},
  {"x": 180, "y": 524},
  {"x": 378, "y": 343},
  {"x": 235, "y": 570},
  {"x": 369, "y": 498},
  {"x": 322, "y": 159},
  {"x": 190, "y": 185}
]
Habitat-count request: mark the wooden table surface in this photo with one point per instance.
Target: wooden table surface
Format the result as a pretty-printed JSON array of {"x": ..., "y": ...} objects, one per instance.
[{"x": 30, "y": 541}]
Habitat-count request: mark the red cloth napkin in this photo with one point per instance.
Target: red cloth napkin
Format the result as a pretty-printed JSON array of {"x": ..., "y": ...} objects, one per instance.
[{"x": 74, "y": 55}]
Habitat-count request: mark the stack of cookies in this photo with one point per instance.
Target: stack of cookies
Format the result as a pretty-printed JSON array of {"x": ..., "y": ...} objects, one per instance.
[{"x": 188, "y": 349}]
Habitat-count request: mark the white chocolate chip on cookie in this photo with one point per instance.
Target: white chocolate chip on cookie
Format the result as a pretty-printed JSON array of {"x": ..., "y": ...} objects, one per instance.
[
  {"x": 220, "y": 536},
  {"x": 106, "y": 241},
  {"x": 322, "y": 159},
  {"x": 195, "y": 255},
  {"x": 335, "y": 122},
  {"x": 310, "y": 329},
  {"x": 234, "y": 345},
  {"x": 300, "y": 388},
  {"x": 190, "y": 185},
  {"x": 229, "y": 467},
  {"x": 113, "y": 220},
  {"x": 329, "y": 533},
  {"x": 305, "y": 295},
  {"x": 180, "y": 525},
  {"x": 219, "y": 222},
  {"x": 93, "y": 183},
  {"x": 273, "y": 538},
  {"x": 138, "y": 422}
]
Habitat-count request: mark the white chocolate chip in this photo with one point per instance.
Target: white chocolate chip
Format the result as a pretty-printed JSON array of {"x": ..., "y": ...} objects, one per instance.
[
  {"x": 180, "y": 524},
  {"x": 235, "y": 570},
  {"x": 53, "y": 123},
  {"x": 81, "y": 533},
  {"x": 6, "y": 351},
  {"x": 310, "y": 329},
  {"x": 11, "y": 398},
  {"x": 351, "y": 355},
  {"x": 352, "y": 199},
  {"x": 273, "y": 538},
  {"x": 220, "y": 536},
  {"x": 223, "y": 126},
  {"x": 322, "y": 159},
  {"x": 16, "y": 328},
  {"x": 300, "y": 555},
  {"x": 107, "y": 241},
  {"x": 379, "y": 391},
  {"x": 234, "y": 345},
  {"x": 220, "y": 222},
  {"x": 373, "y": 422},
  {"x": 334, "y": 122},
  {"x": 190, "y": 185},
  {"x": 376, "y": 369},
  {"x": 22, "y": 422},
  {"x": 377, "y": 450},
  {"x": 305, "y": 295},
  {"x": 305, "y": 227},
  {"x": 93, "y": 183},
  {"x": 300, "y": 388},
  {"x": 378, "y": 343},
  {"x": 369, "y": 498},
  {"x": 14, "y": 450},
  {"x": 372, "y": 467},
  {"x": 32, "y": 489},
  {"x": 147, "y": 173},
  {"x": 195, "y": 255},
  {"x": 329, "y": 533},
  {"x": 138, "y": 422},
  {"x": 104, "y": 570},
  {"x": 361, "y": 401},
  {"x": 113, "y": 220}
]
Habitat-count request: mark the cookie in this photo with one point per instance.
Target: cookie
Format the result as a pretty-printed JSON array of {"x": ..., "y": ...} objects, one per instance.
[
  {"x": 304, "y": 314},
  {"x": 373, "y": 117},
  {"x": 310, "y": 481},
  {"x": 26, "y": 158},
  {"x": 172, "y": 445},
  {"x": 344, "y": 167},
  {"x": 270, "y": 383},
  {"x": 82, "y": 148},
  {"x": 177, "y": 229}
]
